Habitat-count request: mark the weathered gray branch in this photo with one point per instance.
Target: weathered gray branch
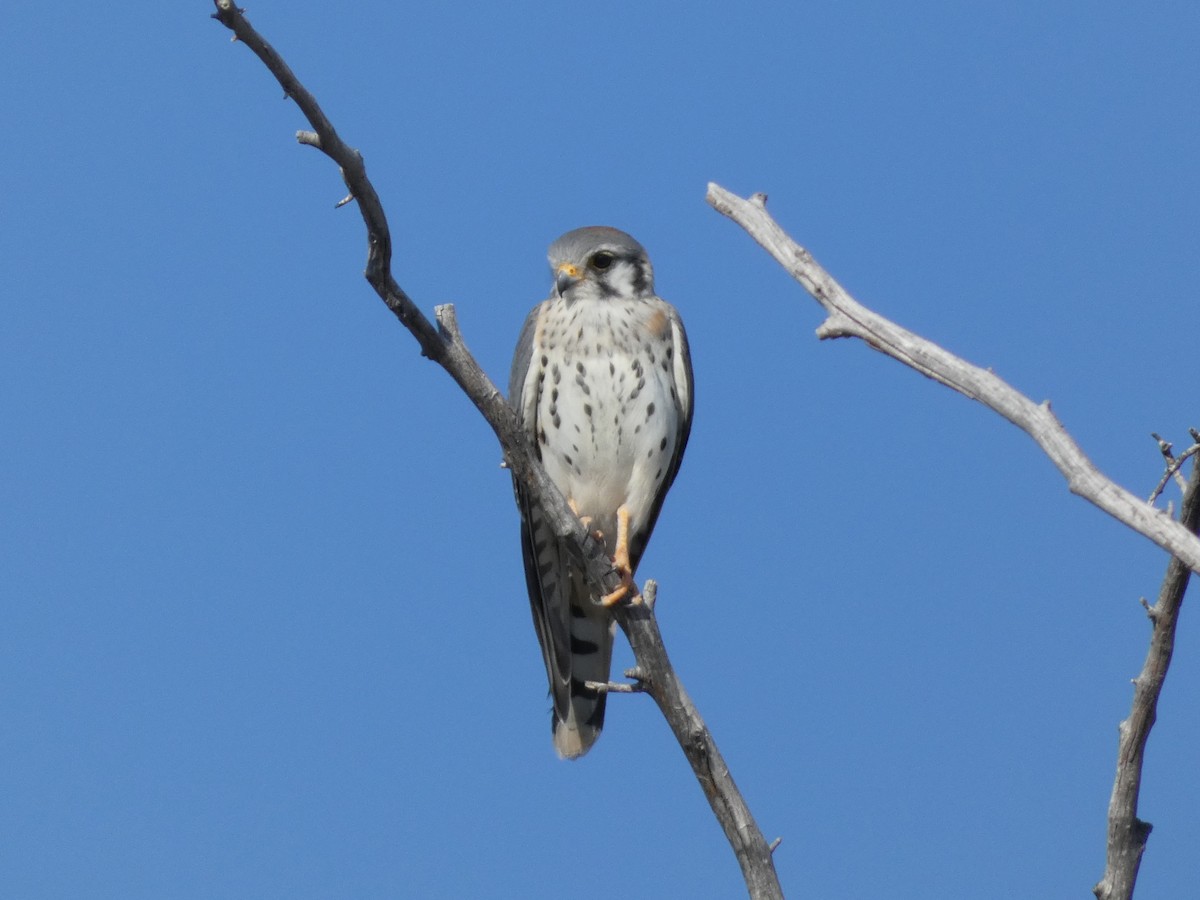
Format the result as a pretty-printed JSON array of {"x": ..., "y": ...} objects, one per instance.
[
  {"x": 1127, "y": 834},
  {"x": 444, "y": 345},
  {"x": 848, "y": 318}
]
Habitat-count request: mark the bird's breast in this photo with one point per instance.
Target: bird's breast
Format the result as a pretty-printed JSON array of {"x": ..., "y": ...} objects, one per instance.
[{"x": 608, "y": 417}]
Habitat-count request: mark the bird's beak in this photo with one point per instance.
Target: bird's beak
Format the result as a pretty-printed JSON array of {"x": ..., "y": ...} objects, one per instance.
[{"x": 565, "y": 277}]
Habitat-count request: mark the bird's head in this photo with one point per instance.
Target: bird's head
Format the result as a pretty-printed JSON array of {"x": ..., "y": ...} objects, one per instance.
[{"x": 600, "y": 263}]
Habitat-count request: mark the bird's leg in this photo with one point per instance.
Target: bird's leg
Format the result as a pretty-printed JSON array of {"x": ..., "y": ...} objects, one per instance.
[{"x": 621, "y": 563}]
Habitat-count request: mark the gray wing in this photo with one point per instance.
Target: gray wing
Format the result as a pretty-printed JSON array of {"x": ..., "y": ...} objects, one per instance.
[
  {"x": 520, "y": 366},
  {"x": 546, "y": 571},
  {"x": 684, "y": 393}
]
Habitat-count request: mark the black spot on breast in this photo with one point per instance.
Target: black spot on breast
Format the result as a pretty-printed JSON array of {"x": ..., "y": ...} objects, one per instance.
[
  {"x": 541, "y": 436},
  {"x": 545, "y": 360},
  {"x": 649, "y": 411},
  {"x": 587, "y": 410},
  {"x": 556, "y": 373},
  {"x": 662, "y": 445}
]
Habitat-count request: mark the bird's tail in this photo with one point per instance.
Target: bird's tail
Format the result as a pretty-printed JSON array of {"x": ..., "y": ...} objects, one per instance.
[{"x": 577, "y": 723}]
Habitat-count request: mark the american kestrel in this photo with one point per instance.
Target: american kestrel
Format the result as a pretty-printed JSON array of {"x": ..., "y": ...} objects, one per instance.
[{"x": 602, "y": 383}]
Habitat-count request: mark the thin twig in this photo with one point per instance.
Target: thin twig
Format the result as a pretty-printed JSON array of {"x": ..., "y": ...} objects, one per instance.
[
  {"x": 445, "y": 346},
  {"x": 1174, "y": 464},
  {"x": 615, "y": 687},
  {"x": 1127, "y": 834},
  {"x": 848, "y": 318}
]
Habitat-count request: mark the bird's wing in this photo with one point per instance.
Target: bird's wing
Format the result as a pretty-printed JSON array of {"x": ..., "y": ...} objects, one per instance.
[
  {"x": 546, "y": 567},
  {"x": 681, "y": 376}
]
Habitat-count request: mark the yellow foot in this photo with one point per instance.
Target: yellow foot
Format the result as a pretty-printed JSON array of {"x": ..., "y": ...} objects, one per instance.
[
  {"x": 622, "y": 592},
  {"x": 621, "y": 564},
  {"x": 586, "y": 521}
]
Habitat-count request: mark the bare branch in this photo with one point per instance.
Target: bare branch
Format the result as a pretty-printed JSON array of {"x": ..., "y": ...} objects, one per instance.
[
  {"x": 614, "y": 687},
  {"x": 445, "y": 346},
  {"x": 848, "y": 318},
  {"x": 658, "y": 679},
  {"x": 1174, "y": 464},
  {"x": 1127, "y": 834}
]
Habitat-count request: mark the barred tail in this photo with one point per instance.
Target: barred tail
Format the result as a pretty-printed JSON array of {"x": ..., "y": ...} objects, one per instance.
[{"x": 591, "y": 630}]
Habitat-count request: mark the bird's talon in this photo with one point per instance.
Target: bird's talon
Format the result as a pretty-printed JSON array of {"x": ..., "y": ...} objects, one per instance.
[
  {"x": 615, "y": 597},
  {"x": 585, "y": 521},
  {"x": 627, "y": 585}
]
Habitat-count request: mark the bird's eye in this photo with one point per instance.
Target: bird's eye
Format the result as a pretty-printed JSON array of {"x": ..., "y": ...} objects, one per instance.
[{"x": 603, "y": 260}]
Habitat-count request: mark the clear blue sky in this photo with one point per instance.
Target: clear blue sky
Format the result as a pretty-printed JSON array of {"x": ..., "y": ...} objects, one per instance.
[{"x": 263, "y": 626}]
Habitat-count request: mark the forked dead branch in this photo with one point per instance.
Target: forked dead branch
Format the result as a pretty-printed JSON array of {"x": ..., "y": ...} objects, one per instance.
[
  {"x": 1127, "y": 833},
  {"x": 444, "y": 345}
]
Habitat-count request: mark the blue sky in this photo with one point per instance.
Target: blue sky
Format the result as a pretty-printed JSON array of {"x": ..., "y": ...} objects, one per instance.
[{"x": 263, "y": 628}]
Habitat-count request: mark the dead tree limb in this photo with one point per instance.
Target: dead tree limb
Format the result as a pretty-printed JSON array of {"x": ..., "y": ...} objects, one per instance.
[
  {"x": 1127, "y": 834},
  {"x": 444, "y": 345},
  {"x": 848, "y": 318}
]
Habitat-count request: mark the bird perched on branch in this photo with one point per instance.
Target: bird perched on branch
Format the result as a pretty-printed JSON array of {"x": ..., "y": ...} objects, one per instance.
[{"x": 602, "y": 383}]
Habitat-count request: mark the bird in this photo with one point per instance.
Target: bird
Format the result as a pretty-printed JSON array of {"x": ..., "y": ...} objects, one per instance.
[{"x": 601, "y": 383}]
